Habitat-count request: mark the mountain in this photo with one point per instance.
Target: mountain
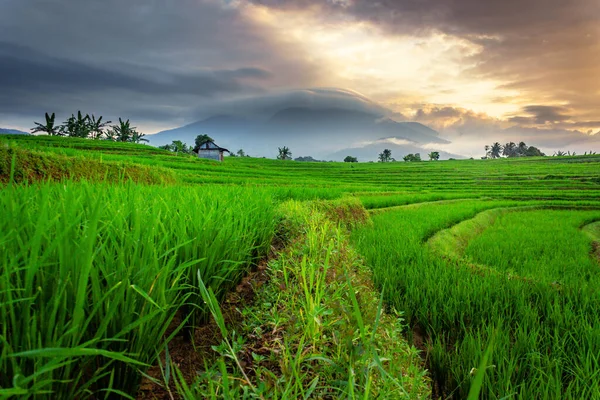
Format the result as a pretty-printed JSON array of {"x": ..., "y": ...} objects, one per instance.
[
  {"x": 305, "y": 130},
  {"x": 315, "y": 122},
  {"x": 226, "y": 130},
  {"x": 6, "y": 131},
  {"x": 370, "y": 152}
]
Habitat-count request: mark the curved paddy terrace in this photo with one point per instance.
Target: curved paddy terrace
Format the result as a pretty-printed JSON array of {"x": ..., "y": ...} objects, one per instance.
[{"x": 517, "y": 277}]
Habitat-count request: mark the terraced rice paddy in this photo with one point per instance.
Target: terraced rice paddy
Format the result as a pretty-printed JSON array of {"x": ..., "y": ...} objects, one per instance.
[
  {"x": 475, "y": 254},
  {"x": 525, "y": 285}
]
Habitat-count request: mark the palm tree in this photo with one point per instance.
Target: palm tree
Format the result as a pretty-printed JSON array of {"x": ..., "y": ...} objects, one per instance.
[
  {"x": 510, "y": 149},
  {"x": 77, "y": 126},
  {"x": 487, "y": 151},
  {"x": 495, "y": 150},
  {"x": 110, "y": 134},
  {"x": 124, "y": 131},
  {"x": 137, "y": 137},
  {"x": 97, "y": 126},
  {"x": 284, "y": 153},
  {"x": 49, "y": 127},
  {"x": 522, "y": 149},
  {"x": 434, "y": 156}
]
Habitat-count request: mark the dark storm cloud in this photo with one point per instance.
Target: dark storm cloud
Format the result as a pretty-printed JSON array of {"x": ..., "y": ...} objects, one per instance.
[
  {"x": 112, "y": 56},
  {"x": 460, "y": 17},
  {"x": 25, "y": 70}
]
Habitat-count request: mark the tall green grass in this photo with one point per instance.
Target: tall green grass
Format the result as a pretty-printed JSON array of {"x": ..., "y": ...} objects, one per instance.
[
  {"x": 546, "y": 338},
  {"x": 92, "y": 276}
]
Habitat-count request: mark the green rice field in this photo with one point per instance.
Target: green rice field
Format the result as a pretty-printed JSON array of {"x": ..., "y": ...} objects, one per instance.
[{"x": 101, "y": 261}]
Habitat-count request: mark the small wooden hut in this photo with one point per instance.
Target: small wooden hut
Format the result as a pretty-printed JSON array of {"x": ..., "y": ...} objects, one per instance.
[{"x": 211, "y": 151}]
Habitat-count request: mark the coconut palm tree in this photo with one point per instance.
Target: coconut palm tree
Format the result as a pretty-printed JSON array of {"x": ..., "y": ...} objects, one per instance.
[
  {"x": 495, "y": 150},
  {"x": 49, "y": 127},
  {"x": 284, "y": 153},
  {"x": 510, "y": 149},
  {"x": 434, "y": 156}
]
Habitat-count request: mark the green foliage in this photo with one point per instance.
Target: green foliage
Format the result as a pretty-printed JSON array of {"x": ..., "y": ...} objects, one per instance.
[
  {"x": 326, "y": 335},
  {"x": 350, "y": 159},
  {"x": 124, "y": 132},
  {"x": 77, "y": 126},
  {"x": 134, "y": 251},
  {"x": 306, "y": 159},
  {"x": 93, "y": 275},
  {"x": 511, "y": 149},
  {"x": 33, "y": 166},
  {"x": 412, "y": 157},
  {"x": 97, "y": 126},
  {"x": 385, "y": 156},
  {"x": 434, "y": 156},
  {"x": 80, "y": 126},
  {"x": 49, "y": 127},
  {"x": 177, "y": 146},
  {"x": 200, "y": 140},
  {"x": 284, "y": 153}
]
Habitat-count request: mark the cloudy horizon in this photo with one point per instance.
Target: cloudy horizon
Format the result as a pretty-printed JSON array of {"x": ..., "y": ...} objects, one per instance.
[{"x": 474, "y": 71}]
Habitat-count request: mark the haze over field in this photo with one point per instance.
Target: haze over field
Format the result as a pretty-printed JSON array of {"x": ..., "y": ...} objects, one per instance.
[{"x": 320, "y": 77}]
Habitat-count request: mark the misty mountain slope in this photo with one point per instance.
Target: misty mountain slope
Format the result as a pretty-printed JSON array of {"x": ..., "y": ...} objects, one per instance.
[
  {"x": 371, "y": 152},
  {"x": 347, "y": 125},
  {"x": 6, "y": 131},
  {"x": 307, "y": 131},
  {"x": 220, "y": 127}
]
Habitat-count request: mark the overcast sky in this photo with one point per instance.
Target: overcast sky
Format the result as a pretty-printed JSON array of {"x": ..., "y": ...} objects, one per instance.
[{"x": 474, "y": 70}]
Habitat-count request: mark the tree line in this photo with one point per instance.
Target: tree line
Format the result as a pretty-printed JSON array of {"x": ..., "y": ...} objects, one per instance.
[
  {"x": 386, "y": 156},
  {"x": 511, "y": 149},
  {"x": 90, "y": 127}
]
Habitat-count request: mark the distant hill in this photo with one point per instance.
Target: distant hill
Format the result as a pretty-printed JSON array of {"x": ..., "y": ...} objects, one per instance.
[
  {"x": 311, "y": 131},
  {"x": 6, "y": 131},
  {"x": 371, "y": 151}
]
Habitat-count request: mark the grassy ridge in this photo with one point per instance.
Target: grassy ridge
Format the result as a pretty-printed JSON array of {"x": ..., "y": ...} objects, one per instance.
[
  {"x": 317, "y": 329},
  {"x": 20, "y": 165},
  {"x": 93, "y": 275}
]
